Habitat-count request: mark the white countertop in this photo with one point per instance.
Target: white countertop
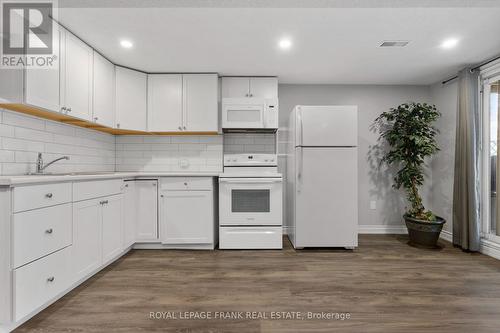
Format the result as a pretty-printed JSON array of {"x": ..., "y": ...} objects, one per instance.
[{"x": 51, "y": 178}]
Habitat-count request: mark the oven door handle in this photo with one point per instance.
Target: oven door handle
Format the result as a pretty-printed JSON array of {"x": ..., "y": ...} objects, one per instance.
[{"x": 250, "y": 181}]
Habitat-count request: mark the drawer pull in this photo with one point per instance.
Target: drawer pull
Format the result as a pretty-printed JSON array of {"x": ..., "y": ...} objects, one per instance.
[
  {"x": 104, "y": 202},
  {"x": 185, "y": 184},
  {"x": 49, "y": 195},
  {"x": 50, "y": 279},
  {"x": 49, "y": 231}
]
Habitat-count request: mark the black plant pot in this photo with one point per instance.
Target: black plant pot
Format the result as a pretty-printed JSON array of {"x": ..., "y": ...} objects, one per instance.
[{"x": 424, "y": 233}]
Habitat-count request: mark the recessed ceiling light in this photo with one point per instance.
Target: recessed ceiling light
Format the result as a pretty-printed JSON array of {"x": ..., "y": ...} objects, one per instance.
[
  {"x": 394, "y": 43},
  {"x": 125, "y": 43},
  {"x": 449, "y": 43},
  {"x": 285, "y": 44}
]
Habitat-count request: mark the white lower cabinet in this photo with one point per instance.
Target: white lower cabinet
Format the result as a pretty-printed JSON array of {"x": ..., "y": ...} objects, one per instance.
[
  {"x": 146, "y": 194},
  {"x": 97, "y": 233},
  {"x": 86, "y": 252},
  {"x": 187, "y": 216},
  {"x": 129, "y": 213},
  {"x": 39, "y": 282},
  {"x": 112, "y": 227}
]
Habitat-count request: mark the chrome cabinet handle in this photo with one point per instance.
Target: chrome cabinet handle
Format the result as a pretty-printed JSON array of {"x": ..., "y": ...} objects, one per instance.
[
  {"x": 49, "y": 231},
  {"x": 68, "y": 109},
  {"x": 105, "y": 202},
  {"x": 96, "y": 118},
  {"x": 63, "y": 109},
  {"x": 251, "y": 95},
  {"x": 246, "y": 95},
  {"x": 48, "y": 195},
  {"x": 117, "y": 125},
  {"x": 185, "y": 184},
  {"x": 184, "y": 127},
  {"x": 126, "y": 185},
  {"x": 51, "y": 279},
  {"x": 180, "y": 127}
]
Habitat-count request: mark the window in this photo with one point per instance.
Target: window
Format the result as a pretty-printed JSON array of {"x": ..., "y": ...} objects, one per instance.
[{"x": 491, "y": 158}]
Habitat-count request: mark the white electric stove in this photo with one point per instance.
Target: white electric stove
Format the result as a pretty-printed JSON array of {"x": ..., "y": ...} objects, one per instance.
[{"x": 250, "y": 202}]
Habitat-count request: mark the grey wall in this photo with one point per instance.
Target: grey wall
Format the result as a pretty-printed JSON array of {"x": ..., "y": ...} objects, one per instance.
[
  {"x": 445, "y": 98},
  {"x": 374, "y": 184}
]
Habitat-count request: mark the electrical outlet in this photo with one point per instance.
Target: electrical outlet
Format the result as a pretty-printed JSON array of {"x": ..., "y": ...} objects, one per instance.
[{"x": 373, "y": 205}]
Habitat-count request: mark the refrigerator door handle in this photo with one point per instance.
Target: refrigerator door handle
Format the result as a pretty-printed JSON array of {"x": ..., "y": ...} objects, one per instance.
[
  {"x": 299, "y": 171},
  {"x": 301, "y": 126}
]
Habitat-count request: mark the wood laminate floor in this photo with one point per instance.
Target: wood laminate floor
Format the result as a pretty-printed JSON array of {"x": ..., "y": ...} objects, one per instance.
[{"x": 385, "y": 285}]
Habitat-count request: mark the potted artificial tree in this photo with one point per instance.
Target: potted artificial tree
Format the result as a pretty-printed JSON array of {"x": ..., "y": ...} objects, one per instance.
[{"x": 409, "y": 132}]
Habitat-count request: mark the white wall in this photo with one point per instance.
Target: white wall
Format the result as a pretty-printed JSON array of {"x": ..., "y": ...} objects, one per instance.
[
  {"x": 445, "y": 98},
  {"x": 22, "y": 137},
  {"x": 371, "y": 101}
]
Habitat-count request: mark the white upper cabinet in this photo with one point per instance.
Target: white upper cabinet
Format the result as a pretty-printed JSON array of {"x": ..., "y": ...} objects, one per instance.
[
  {"x": 131, "y": 87},
  {"x": 187, "y": 102},
  {"x": 234, "y": 87},
  {"x": 104, "y": 91},
  {"x": 200, "y": 104},
  {"x": 259, "y": 87},
  {"x": 264, "y": 87},
  {"x": 41, "y": 87},
  {"x": 76, "y": 77},
  {"x": 165, "y": 103}
]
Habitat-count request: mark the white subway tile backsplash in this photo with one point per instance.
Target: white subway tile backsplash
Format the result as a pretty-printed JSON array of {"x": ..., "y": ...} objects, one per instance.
[
  {"x": 21, "y": 120},
  {"x": 169, "y": 153},
  {"x": 239, "y": 143},
  {"x": 22, "y": 137}
]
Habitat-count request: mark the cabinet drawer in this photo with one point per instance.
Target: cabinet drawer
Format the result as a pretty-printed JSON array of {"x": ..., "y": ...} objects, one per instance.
[
  {"x": 94, "y": 189},
  {"x": 38, "y": 196},
  {"x": 186, "y": 183},
  {"x": 39, "y": 232},
  {"x": 39, "y": 282},
  {"x": 250, "y": 238}
]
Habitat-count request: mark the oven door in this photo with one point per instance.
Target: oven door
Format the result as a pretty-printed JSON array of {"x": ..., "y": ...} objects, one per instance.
[
  {"x": 250, "y": 201},
  {"x": 242, "y": 115}
]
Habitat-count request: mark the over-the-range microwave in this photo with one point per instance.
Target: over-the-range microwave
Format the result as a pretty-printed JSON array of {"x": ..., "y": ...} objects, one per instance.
[{"x": 249, "y": 113}]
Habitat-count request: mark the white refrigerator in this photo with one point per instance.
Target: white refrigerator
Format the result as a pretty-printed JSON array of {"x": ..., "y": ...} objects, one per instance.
[{"x": 322, "y": 176}]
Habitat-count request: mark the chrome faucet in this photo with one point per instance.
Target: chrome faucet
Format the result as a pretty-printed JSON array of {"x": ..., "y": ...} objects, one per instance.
[{"x": 40, "y": 166}]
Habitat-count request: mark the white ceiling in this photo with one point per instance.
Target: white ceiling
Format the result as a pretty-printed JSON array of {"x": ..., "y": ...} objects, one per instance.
[{"x": 333, "y": 42}]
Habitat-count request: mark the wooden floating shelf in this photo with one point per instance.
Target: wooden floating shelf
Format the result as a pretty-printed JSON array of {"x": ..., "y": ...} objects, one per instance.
[{"x": 63, "y": 118}]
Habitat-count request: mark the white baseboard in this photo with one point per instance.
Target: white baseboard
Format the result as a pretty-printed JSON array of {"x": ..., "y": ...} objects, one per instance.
[
  {"x": 446, "y": 235},
  {"x": 490, "y": 248},
  {"x": 382, "y": 229}
]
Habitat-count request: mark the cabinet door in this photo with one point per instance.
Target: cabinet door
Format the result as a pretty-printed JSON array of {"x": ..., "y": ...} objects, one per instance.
[
  {"x": 41, "y": 86},
  {"x": 87, "y": 243},
  {"x": 187, "y": 217},
  {"x": 130, "y": 99},
  {"x": 104, "y": 91},
  {"x": 76, "y": 85},
  {"x": 264, "y": 87},
  {"x": 164, "y": 102},
  {"x": 112, "y": 227},
  {"x": 147, "y": 210},
  {"x": 200, "y": 102},
  {"x": 130, "y": 213},
  {"x": 235, "y": 87}
]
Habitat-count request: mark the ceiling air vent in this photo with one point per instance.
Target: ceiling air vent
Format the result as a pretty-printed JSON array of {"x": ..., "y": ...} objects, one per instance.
[{"x": 394, "y": 43}]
